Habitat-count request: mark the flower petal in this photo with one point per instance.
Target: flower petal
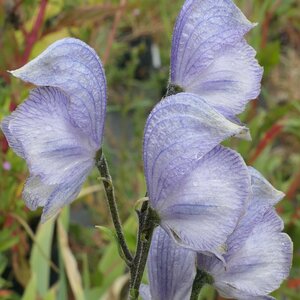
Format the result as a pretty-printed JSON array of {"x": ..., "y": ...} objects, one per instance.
[
  {"x": 263, "y": 190},
  {"x": 180, "y": 130},
  {"x": 74, "y": 67},
  {"x": 58, "y": 153},
  {"x": 145, "y": 292},
  {"x": 53, "y": 146},
  {"x": 259, "y": 268},
  {"x": 53, "y": 197},
  {"x": 64, "y": 194},
  {"x": 264, "y": 196},
  {"x": 36, "y": 193},
  {"x": 258, "y": 254},
  {"x": 216, "y": 188},
  {"x": 171, "y": 269},
  {"x": 230, "y": 82},
  {"x": 210, "y": 56},
  {"x": 12, "y": 141}
]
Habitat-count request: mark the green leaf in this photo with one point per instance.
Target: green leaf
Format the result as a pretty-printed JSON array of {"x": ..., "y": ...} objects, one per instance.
[
  {"x": 8, "y": 243},
  {"x": 51, "y": 294},
  {"x": 109, "y": 233},
  {"x": 70, "y": 263},
  {"x": 31, "y": 289},
  {"x": 111, "y": 265},
  {"x": 40, "y": 256}
]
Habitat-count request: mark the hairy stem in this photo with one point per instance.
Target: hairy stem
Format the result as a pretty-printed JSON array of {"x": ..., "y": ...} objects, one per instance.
[
  {"x": 200, "y": 280},
  {"x": 148, "y": 220},
  {"x": 141, "y": 216},
  {"x": 102, "y": 166}
]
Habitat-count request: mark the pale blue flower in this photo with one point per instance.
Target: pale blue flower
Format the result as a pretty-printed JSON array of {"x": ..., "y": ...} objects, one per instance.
[
  {"x": 171, "y": 270},
  {"x": 198, "y": 188},
  {"x": 59, "y": 128},
  {"x": 259, "y": 255},
  {"x": 211, "y": 58}
]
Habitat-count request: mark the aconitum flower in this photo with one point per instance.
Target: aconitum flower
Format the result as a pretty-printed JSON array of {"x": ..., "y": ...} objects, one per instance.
[
  {"x": 211, "y": 58},
  {"x": 259, "y": 255},
  {"x": 59, "y": 128},
  {"x": 171, "y": 270},
  {"x": 191, "y": 180}
]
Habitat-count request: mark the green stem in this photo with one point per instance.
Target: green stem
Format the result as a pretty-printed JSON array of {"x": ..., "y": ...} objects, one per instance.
[
  {"x": 141, "y": 216},
  {"x": 148, "y": 220},
  {"x": 200, "y": 280},
  {"x": 102, "y": 166}
]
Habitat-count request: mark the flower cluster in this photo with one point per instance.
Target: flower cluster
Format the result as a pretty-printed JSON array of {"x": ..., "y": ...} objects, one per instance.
[
  {"x": 215, "y": 212},
  {"x": 216, "y": 215}
]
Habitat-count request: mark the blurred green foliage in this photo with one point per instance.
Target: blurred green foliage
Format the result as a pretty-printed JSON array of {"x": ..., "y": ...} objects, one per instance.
[{"x": 70, "y": 258}]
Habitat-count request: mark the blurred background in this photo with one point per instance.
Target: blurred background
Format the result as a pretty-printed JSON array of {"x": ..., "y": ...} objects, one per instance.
[{"x": 70, "y": 258}]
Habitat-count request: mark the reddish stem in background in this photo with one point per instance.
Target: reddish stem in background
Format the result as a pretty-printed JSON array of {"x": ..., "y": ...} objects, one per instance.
[
  {"x": 265, "y": 29},
  {"x": 294, "y": 283},
  {"x": 30, "y": 39},
  {"x": 32, "y": 36},
  {"x": 113, "y": 31},
  {"x": 266, "y": 140},
  {"x": 3, "y": 145},
  {"x": 266, "y": 23},
  {"x": 5, "y": 293}
]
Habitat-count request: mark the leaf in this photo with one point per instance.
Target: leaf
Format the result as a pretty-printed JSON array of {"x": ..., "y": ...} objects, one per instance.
[
  {"x": 31, "y": 289},
  {"x": 70, "y": 263},
  {"x": 115, "y": 291},
  {"x": 51, "y": 294},
  {"x": 109, "y": 234},
  {"x": 3, "y": 263},
  {"x": 40, "y": 262},
  {"x": 111, "y": 265},
  {"x": 8, "y": 242}
]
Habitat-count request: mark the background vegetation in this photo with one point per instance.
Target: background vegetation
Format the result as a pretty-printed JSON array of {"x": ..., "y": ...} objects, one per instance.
[{"x": 70, "y": 258}]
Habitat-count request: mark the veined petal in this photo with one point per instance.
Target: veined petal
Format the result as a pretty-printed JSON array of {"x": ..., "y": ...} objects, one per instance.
[
  {"x": 36, "y": 193},
  {"x": 180, "y": 130},
  {"x": 64, "y": 193},
  {"x": 58, "y": 153},
  {"x": 264, "y": 196},
  {"x": 258, "y": 268},
  {"x": 54, "y": 147},
  {"x": 53, "y": 197},
  {"x": 12, "y": 141},
  {"x": 74, "y": 67},
  {"x": 258, "y": 254},
  {"x": 203, "y": 28},
  {"x": 230, "y": 82},
  {"x": 210, "y": 56},
  {"x": 216, "y": 188},
  {"x": 256, "y": 215},
  {"x": 171, "y": 269},
  {"x": 263, "y": 190}
]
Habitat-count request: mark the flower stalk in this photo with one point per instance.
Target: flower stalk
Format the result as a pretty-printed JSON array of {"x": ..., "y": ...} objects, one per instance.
[
  {"x": 148, "y": 220},
  {"x": 102, "y": 166}
]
